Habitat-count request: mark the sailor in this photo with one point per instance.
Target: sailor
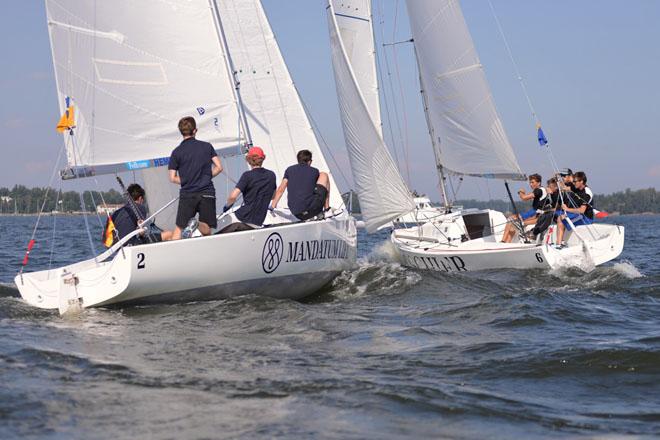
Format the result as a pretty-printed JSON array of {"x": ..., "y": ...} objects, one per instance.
[
  {"x": 257, "y": 186},
  {"x": 193, "y": 165},
  {"x": 582, "y": 213},
  {"x": 309, "y": 189},
  {"x": 538, "y": 195},
  {"x": 547, "y": 211},
  {"x": 125, "y": 220}
]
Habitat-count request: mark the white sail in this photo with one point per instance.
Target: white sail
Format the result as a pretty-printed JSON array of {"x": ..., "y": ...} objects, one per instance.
[
  {"x": 355, "y": 28},
  {"x": 275, "y": 114},
  {"x": 383, "y": 194},
  {"x": 132, "y": 69},
  {"x": 469, "y": 135}
]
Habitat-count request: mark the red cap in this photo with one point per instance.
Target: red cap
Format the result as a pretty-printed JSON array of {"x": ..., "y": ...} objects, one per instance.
[{"x": 256, "y": 151}]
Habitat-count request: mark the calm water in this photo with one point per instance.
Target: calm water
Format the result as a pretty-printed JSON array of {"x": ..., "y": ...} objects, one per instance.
[{"x": 385, "y": 352}]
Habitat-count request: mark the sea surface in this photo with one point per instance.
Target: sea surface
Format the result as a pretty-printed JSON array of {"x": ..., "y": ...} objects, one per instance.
[{"x": 383, "y": 352}]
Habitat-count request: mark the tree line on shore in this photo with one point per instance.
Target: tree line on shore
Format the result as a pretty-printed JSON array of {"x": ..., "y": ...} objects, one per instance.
[{"x": 23, "y": 200}]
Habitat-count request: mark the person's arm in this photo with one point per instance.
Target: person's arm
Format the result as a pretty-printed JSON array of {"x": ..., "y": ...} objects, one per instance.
[
  {"x": 278, "y": 193},
  {"x": 174, "y": 177},
  {"x": 579, "y": 210},
  {"x": 232, "y": 197},
  {"x": 217, "y": 166}
]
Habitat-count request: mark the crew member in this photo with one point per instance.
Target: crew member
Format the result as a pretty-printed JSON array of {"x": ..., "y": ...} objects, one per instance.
[
  {"x": 582, "y": 213},
  {"x": 309, "y": 189},
  {"x": 538, "y": 195},
  {"x": 257, "y": 186},
  {"x": 125, "y": 220},
  {"x": 193, "y": 165}
]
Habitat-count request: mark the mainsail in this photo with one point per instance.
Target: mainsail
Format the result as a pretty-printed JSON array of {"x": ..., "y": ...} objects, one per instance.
[
  {"x": 131, "y": 76},
  {"x": 383, "y": 194},
  {"x": 469, "y": 137}
]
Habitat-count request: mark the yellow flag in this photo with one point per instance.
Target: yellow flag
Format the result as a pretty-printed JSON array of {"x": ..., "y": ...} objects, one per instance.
[
  {"x": 109, "y": 235},
  {"x": 67, "y": 121}
]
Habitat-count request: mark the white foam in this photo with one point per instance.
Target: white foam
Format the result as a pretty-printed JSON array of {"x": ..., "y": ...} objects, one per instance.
[{"x": 628, "y": 270}]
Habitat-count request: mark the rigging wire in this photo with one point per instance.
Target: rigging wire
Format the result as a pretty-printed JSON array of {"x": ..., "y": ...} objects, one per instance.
[{"x": 394, "y": 101}]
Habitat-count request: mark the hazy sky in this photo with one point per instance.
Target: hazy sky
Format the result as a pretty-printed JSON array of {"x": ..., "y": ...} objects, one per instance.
[{"x": 591, "y": 66}]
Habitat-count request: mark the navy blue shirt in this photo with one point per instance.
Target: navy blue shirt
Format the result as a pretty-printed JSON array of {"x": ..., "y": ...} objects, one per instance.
[
  {"x": 126, "y": 222},
  {"x": 301, "y": 183},
  {"x": 193, "y": 160},
  {"x": 258, "y": 186}
]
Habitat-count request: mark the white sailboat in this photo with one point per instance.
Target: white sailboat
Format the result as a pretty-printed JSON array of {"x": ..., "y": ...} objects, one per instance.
[
  {"x": 468, "y": 138},
  {"x": 129, "y": 77}
]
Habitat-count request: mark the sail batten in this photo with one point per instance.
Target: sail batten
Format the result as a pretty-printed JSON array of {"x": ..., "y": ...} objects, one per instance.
[
  {"x": 469, "y": 138},
  {"x": 382, "y": 193}
]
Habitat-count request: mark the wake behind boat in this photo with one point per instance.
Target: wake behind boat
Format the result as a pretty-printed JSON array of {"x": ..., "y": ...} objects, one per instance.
[{"x": 123, "y": 82}]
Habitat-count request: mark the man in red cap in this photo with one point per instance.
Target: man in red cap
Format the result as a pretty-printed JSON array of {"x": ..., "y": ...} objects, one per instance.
[{"x": 257, "y": 186}]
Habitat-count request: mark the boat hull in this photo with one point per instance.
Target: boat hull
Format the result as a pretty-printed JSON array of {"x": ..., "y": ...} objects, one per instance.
[
  {"x": 588, "y": 247},
  {"x": 286, "y": 261}
]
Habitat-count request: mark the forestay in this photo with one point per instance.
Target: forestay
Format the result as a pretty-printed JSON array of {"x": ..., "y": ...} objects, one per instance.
[
  {"x": 383, "y": 194},
  {"x": 275, "y": 114},
  {"x": 470, "y": 136},
  {"x": 131, "y": 76}
]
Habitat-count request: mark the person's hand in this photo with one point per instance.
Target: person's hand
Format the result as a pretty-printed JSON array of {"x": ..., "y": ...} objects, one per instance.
[
  {"x": 521, "y": 191},
  {"x": 564, "y": 207},
  {"x": 271, "y": 208}
]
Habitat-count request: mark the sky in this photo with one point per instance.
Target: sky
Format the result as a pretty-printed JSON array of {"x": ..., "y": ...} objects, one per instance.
[{"x": 591, "y": 68}]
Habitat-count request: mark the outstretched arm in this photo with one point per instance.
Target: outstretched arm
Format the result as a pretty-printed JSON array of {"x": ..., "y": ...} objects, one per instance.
[
  {"x": 217, "y": 166},
  {"x": 278, "y": 193}
]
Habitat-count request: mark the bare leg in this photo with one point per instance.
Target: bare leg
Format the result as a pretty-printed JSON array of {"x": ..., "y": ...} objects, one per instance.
[
  {"x": 560, "y": 230},
  {"x": 509, "y": 231},
  {"x": 324, "y": 180},
  {"x": 176, "y": 235},
  {"x": 204, "y": 228}
]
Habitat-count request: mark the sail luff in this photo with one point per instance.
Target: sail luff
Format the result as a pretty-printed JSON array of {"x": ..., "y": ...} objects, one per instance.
[
  {"x": 469, "y": 132},
  {"x": 382, "y": 193}
]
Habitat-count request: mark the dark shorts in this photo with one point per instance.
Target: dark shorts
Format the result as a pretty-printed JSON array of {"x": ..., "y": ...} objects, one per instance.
[
  {"x": 195, "y": 203},
  {"x": 316, "y": 204}
]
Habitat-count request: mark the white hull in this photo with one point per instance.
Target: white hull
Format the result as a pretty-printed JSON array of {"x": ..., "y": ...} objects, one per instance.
[
  {"x": 428, "y": 247},
  {"x": 287, "y": 261}
]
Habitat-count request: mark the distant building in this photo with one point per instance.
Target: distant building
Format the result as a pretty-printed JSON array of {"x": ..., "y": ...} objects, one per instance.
[
  {"x": 6, "y": 199},
  {"x": 107, "y": 209}
]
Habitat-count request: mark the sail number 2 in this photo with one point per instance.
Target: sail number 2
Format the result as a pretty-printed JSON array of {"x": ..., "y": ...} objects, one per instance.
[{"x": 140, "y": 258}]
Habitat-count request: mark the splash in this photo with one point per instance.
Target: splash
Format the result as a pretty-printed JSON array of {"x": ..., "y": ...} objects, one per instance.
[
  {"x": 628, "y": 270},
  {"x": 374, "y": 277}
]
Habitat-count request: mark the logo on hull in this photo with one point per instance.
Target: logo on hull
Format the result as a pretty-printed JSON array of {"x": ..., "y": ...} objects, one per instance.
[{"x": 272, "y": 253}]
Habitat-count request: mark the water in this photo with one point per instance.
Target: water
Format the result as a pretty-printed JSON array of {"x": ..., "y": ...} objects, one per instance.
[{"x": 385, "y": 352}]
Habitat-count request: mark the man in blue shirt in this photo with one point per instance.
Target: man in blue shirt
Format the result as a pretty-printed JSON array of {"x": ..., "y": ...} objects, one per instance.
[
  {"x": 125, "y": 220},
  {"x": 309, "y": 189},
  {"x": 193, "y": 165},
  {"x": 257, "y": 186}
]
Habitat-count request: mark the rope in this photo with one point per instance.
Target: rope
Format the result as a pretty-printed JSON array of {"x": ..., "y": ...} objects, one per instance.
[{"x": 52, "y": 241}]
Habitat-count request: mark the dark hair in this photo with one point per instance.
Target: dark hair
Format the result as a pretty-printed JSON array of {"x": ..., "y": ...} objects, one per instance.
[
  {"x": 580, "y": 176},
  {"x": 135, "y": 191},
  {"x": 187, "y": 126},
  {"x": 536, "y": 177},
  {"x": 552, "y": 181},
  {"x": 304, "y": 156}
]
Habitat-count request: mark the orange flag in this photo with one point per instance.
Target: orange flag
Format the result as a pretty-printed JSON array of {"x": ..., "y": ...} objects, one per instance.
[
  {"x": 67, "y": 121},
  {"x": 109, "y": 234}
]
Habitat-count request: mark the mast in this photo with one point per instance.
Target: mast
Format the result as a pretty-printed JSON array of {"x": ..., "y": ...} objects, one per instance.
[
  {"x": 436, "y": 150},
  {"x": 232, "y": 70}
]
